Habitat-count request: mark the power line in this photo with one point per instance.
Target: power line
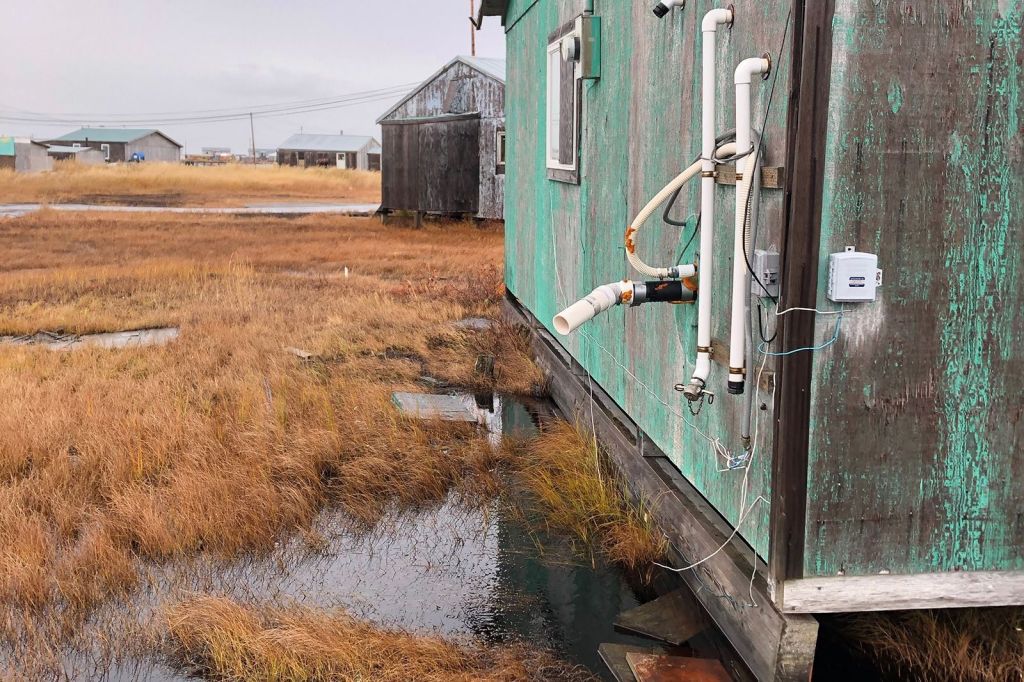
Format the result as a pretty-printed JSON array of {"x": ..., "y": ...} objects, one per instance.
[
  {"x": 263, "y": 111},
  {"x": 224, "y": 110}
]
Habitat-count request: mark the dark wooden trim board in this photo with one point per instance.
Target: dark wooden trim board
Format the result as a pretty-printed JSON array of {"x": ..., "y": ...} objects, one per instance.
[
  {"x": 694, "y": 529},
  {"x": 431, "y": 119},
  {"x": 806, "y": 129},
  {"x": 959, "y": 589}
]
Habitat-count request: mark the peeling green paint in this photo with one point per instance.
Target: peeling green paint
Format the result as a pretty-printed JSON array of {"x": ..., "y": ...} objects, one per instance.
[
  {"x": 914, "y": 470},
  {"x": 895, "y": 97}
]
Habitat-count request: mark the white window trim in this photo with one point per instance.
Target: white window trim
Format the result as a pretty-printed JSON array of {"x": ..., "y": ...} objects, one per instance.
[
  {"x": 76, "y": 145},
  {"x": 105, "y": 148},
  {"x": 499, "y": 147},
  {"x": 554, "y": 164}
]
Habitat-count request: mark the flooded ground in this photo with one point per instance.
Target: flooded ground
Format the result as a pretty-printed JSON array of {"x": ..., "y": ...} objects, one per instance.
[
  {"x": 277, "y": 209},
  {"x": 452, "y": 570}
]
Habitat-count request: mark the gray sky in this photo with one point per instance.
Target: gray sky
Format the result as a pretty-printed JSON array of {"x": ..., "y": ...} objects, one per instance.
[{"x": 154, "y": 56}]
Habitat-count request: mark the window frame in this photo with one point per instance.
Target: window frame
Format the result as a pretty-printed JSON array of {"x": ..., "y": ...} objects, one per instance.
[
  {"x": 105, "y": 148},
  {"x": 556, "y": 170},
  {"x": 500, "y": 150}
]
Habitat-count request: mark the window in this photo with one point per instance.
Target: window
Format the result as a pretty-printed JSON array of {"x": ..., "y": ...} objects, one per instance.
[
  {"x": 563, "y": 106},
  {"x": 105, "y": 148},
  {"x": 76, "y": 145},
  {"x": 342, "y": 160},
  {"x": 499, "y": 150}
]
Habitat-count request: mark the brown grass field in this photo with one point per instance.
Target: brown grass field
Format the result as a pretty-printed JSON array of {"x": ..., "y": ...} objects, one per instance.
[
  {"x": 222, "y": 443},
  {"x": 167, "y": 184}
]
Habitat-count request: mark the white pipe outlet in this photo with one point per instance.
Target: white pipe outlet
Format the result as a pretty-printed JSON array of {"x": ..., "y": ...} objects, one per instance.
[
  {"x": 746, "y": 167},
  {"x": 709, "y": 27},
  {"x": 595, "y": 303}
]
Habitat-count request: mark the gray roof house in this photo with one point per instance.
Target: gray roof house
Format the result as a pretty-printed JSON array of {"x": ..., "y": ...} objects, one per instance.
[
  {"x": 23, "y": 155},
  {"x": 330, "y": 151},
  {"x": 119, "y": 144}
]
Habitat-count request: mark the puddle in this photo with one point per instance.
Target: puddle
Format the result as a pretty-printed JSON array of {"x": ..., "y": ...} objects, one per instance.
[
  {"x": 158, "y": 336},
  {"x": 455, "y": 571}
]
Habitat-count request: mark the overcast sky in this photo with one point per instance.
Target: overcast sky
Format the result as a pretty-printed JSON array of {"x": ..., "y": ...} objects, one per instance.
[{"x": 105, "y": 57}]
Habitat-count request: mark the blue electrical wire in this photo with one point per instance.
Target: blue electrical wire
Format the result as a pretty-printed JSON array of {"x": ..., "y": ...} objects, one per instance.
[{"x": 835, "y": 336}]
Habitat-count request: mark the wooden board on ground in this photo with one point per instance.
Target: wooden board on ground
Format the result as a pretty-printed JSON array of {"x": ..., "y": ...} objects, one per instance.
[
  {"x": 673, "y": 618},
  {"x": 663, "y": 668},
  {"x": 614, "y": 656},
  {"x": 431, "y": 406}
]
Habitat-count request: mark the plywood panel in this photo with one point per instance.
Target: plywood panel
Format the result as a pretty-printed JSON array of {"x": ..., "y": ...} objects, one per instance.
[
  {"x": 916, "y": 423},
  {"x": 640, "y": 127}
]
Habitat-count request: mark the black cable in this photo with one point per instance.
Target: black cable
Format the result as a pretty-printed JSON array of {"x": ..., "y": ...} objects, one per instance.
[
  {"x": 757, "y": 156},
  {"x": 760, "y": 328}
]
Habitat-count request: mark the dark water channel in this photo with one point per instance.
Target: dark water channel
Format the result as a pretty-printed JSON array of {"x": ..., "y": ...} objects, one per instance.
[{"x": 450, "y": 570}]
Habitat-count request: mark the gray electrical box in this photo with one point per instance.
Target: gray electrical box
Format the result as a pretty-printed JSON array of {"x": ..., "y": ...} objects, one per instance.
[
  {"x": 853, "y": 276},
  {"x": 766, "y": 266}
]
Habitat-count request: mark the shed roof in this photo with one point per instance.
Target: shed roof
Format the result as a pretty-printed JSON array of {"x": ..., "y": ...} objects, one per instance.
[
  {"x": 64, "y": 149},
  {"x": 115, "y": 135},
  {"x": 493, "y": 68},
  {"x": 492, "y": 8},
  {"x": 326, "y": 143},
  {"x": 6, "y": 145},
  {"x": 375, "y": 149}
]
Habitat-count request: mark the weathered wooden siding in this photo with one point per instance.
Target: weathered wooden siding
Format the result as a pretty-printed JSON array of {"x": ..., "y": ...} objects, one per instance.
[
  {"x": 640, "y": 127},
  {"x": 916, "y": 424},
  {"x": 459, "y": 89},
  {"x": 432, "y": 165},
  {"x": 155, "y": 147}
]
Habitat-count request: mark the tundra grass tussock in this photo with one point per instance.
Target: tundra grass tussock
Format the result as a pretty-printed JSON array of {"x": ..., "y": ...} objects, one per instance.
[
  {"x": 221, "y": 442},
  {"x": 958, "y": 645},
  {"x": 577, "y": 492},
  {"x": 177, "y": 185},
  {"x": 228, "y": 641}
]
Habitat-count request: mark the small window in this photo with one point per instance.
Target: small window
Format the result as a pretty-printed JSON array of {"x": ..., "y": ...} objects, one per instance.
[
  {"x": 76, "y": 145},
  {"x": 499, "y": 150},
  {"x": 562, "y": 143},
  {"x": 105, "y": 148}
]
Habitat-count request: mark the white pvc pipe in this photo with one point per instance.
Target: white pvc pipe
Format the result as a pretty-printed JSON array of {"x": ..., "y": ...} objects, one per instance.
[
  {"x": 740, "y": 280},
  {"x": 676, "y": 271},
  {"x": 599, "y": 300},
  {"x": 709, "y": 26}
]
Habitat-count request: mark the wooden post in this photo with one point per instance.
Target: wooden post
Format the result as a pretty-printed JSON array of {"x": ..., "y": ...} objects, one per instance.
[
  {"x": 472, "y": 28},
  {"x": 419, "y": 219},
  {"x": 252, "y": 132}
]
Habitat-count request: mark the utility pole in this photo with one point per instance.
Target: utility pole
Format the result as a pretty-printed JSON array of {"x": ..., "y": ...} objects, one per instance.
[
  {"x": 472, "y": 28},
  {"x": 252, "y": 133}
]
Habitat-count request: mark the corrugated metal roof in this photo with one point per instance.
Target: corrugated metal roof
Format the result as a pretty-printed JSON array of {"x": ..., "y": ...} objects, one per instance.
[
  {"x": 326, "y": 143},
  {"x": 63, "y": 149},
  {"x": 375, "y": 149},
  {"x": 115, "y": 135},
  {"x": 495, "y": 68}
]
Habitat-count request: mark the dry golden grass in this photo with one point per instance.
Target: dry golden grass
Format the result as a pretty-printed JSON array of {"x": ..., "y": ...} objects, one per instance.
[
  {"x": 222, "y": 442},
  {"x": 958, "y": 645},
  {"x": 179, "y": 185},
  {"x": 228, "y": 641},
  {"x": 576, "y": 491}
]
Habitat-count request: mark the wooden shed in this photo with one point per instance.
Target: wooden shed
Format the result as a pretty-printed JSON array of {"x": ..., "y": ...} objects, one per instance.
[
  {"x": 884, "y": 471},
  {"x": 23, "y": 155},
  {"x": 444, "y": 143}
]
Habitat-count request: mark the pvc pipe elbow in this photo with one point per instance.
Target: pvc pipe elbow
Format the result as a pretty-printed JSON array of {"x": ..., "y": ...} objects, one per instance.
[
  {"x": 748, "y": 67},
  {"x": 715, "y": 18},
  {"x": 599, "y": 300}
]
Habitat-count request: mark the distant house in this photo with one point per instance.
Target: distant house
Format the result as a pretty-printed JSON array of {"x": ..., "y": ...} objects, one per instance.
[
  {"x": 84, "y": 155},
  {"x": 118, "y": 144},
  {"x": 23, "y": 155},
  {"x": 444, "y": 143},
  {"x": 329, "y": 151}
]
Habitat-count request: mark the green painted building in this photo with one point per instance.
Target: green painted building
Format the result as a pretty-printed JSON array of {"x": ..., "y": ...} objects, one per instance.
[{"x": 886, "y": 466}]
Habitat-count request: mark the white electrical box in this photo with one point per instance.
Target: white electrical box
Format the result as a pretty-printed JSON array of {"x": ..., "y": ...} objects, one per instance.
[
  {"x": 766, "y": 267},
  {"x": 853, "y": 276}
]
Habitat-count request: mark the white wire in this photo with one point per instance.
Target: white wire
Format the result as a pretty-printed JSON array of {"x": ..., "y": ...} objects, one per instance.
[{"x": 779, "y": 313}]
